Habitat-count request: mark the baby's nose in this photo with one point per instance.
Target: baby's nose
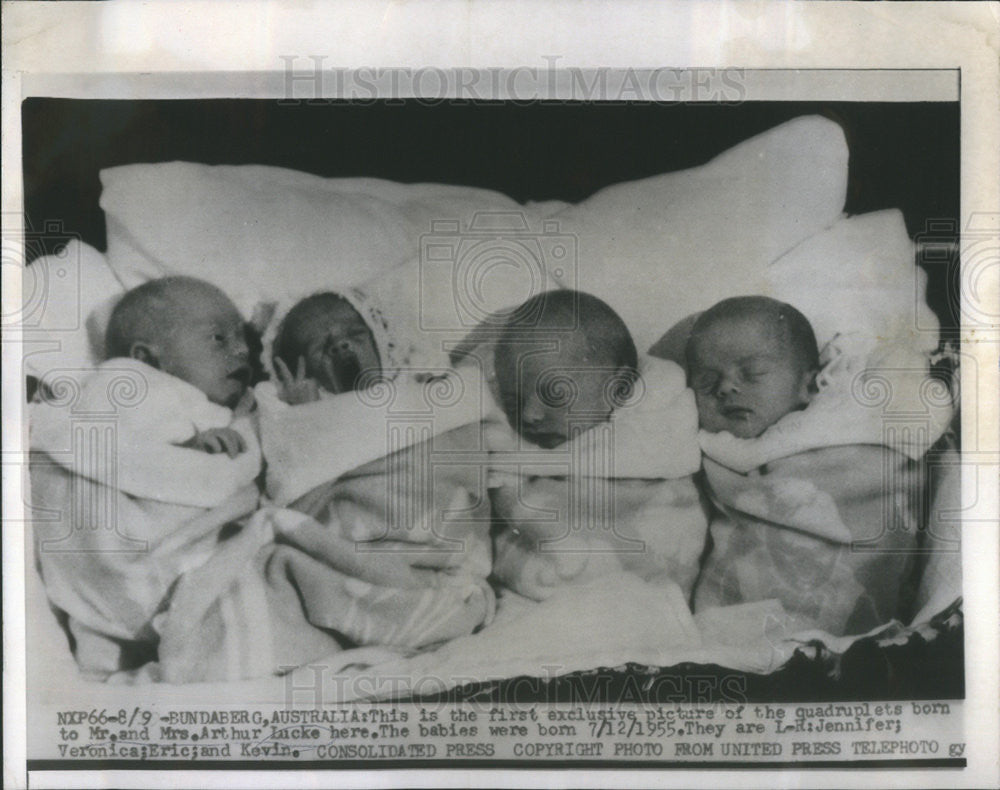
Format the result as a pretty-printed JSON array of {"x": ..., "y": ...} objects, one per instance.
[
  {"x": 727, "y": 386},
  {"x": 241, "y": 349},
  {"x": 338, "y": 343},
  {"x": 533, "y": 412}
]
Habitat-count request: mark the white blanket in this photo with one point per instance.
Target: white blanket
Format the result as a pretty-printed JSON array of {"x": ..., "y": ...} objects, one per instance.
[
  {"x": 149, "y": 413},
  {"x": 313, "y": 443},
  {"x": 127, "y": 511}
]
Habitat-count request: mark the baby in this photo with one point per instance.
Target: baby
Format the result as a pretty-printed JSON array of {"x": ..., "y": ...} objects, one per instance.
[
  {"x": 563, "y": 362},
  {"x": 188, "y": 329},
  {"x": 612, "y": 491},
  {"x": 802, "y": 514},
  {"x": 331, "y": 356},
  {"x": 328, "y": 345},
  {"x": 184, "y": 463},
  {"x": 751, "y": 360}
]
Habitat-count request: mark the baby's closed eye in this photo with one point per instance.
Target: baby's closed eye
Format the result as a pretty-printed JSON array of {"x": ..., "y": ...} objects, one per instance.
[{"x": 754, "y": 374}]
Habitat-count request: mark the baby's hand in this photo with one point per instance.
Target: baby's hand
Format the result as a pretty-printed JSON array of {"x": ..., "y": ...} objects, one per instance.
[
  {"x": 217, "y": 440},
  {"x": 298, "y": 388}
]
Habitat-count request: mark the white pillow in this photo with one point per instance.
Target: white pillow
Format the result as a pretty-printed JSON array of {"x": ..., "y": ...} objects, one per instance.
[
  {"x": 856, "y": 281},
  {"x": 858, "y": 278},
  {"x": 67, "y": 300},
  {"x": 664, "y": 247},
  {"x": 262, "y": 233}
]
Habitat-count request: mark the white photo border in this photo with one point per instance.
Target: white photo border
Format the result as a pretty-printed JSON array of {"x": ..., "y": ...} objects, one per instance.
[{"x": 153, "y": 49}]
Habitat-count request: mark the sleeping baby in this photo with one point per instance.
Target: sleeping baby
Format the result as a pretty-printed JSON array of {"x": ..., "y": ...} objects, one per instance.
[
  {"x": 591, "y": 470},
  {"x": 751, "y": 361},
  {"x": 150, "y": 461},
  {"x": 818, "y": 522}
]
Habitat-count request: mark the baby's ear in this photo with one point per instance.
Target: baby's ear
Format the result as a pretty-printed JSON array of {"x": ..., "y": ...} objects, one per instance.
[
  {"x": 807, "y": 386},
  {"x": 145, "y": 352}
]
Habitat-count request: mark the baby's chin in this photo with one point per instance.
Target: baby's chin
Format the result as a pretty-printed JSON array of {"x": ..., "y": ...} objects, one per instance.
[
  {"x": 232, "y": 400},
  {"x": 229, "y": 393},
  {"x": 741, "y": 429},
  {"x": 547, "y": 441}
]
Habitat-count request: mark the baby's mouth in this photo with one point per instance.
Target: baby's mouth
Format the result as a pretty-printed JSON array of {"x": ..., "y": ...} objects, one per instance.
[
  {"x": 241, "y": 375},
  {"x": 545, "y": 439},
  {"x": 737, "y": 412},
  {"x": 346, "y": 369}
]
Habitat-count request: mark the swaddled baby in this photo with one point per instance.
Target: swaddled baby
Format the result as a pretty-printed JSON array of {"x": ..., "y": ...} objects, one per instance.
[
  {"x": 144, "y": 467},
  {"x": 396, "y": 548},
  {"x": 823, "y": 527},
  {"x": 593, "y": 475}
]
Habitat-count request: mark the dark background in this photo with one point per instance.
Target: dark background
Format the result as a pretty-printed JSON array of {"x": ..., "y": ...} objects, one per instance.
[{"x": 903, "y": 155}]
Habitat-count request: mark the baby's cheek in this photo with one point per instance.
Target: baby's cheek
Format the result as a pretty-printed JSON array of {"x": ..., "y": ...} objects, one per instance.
[
  {"x": 594, "y": 404},
  {"x": 708, "y": 417}
]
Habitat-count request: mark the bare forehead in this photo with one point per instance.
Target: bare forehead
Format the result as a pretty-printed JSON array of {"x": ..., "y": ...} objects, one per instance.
[
  {"x": 197, "y": 302},
  {"x": 324, "y": 311},
  {"x": 547, "y": 345},
  {"x": 764, "y": 332},
  {"x": 342, "y": 310}
]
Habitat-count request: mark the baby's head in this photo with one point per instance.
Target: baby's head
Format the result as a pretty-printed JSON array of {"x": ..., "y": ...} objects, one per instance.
[
  {"x": 751, "y": 360},
  {"x": 332, "y": 338},
  {"x": 564, "y": 360},
  {"x": 185, "y": 327}
]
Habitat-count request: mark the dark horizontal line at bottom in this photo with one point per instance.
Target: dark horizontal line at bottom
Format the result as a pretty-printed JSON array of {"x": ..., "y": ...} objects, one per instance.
[{"x": 409, "y": 765}]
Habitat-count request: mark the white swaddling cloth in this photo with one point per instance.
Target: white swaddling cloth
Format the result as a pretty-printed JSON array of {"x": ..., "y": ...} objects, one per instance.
[
  {"x": 312, "y": 443},
  {"x": 150, "y": 413},
  {"x": 129, "y": 509},
  {"x": 616, "y": 499}
]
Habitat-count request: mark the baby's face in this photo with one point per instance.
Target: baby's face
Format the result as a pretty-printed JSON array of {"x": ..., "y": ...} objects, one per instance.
[
  {"x": 338, "y": 347},
  {"x": 206, "y": 346},
  {"x": 745, "y": 377},
  {"x": 549, "y": 396}
]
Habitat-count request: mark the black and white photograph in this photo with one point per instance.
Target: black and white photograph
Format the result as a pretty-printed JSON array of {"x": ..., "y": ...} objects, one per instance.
[{"x": 469, "y": 419}]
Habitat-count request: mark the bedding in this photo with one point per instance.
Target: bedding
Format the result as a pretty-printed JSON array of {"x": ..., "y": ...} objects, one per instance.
[
  {"x": 392, "y": 553},
  {"x": 347, "y": 231},
  {"x": 129, "y": 509},
  {"x": 858, "y": 277},
  {"x": 812, "y": 531},
  {"x": 67, "y": 300},
  {"x": 785, "y": 184},
  {"x": 252, "y": 224}
]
